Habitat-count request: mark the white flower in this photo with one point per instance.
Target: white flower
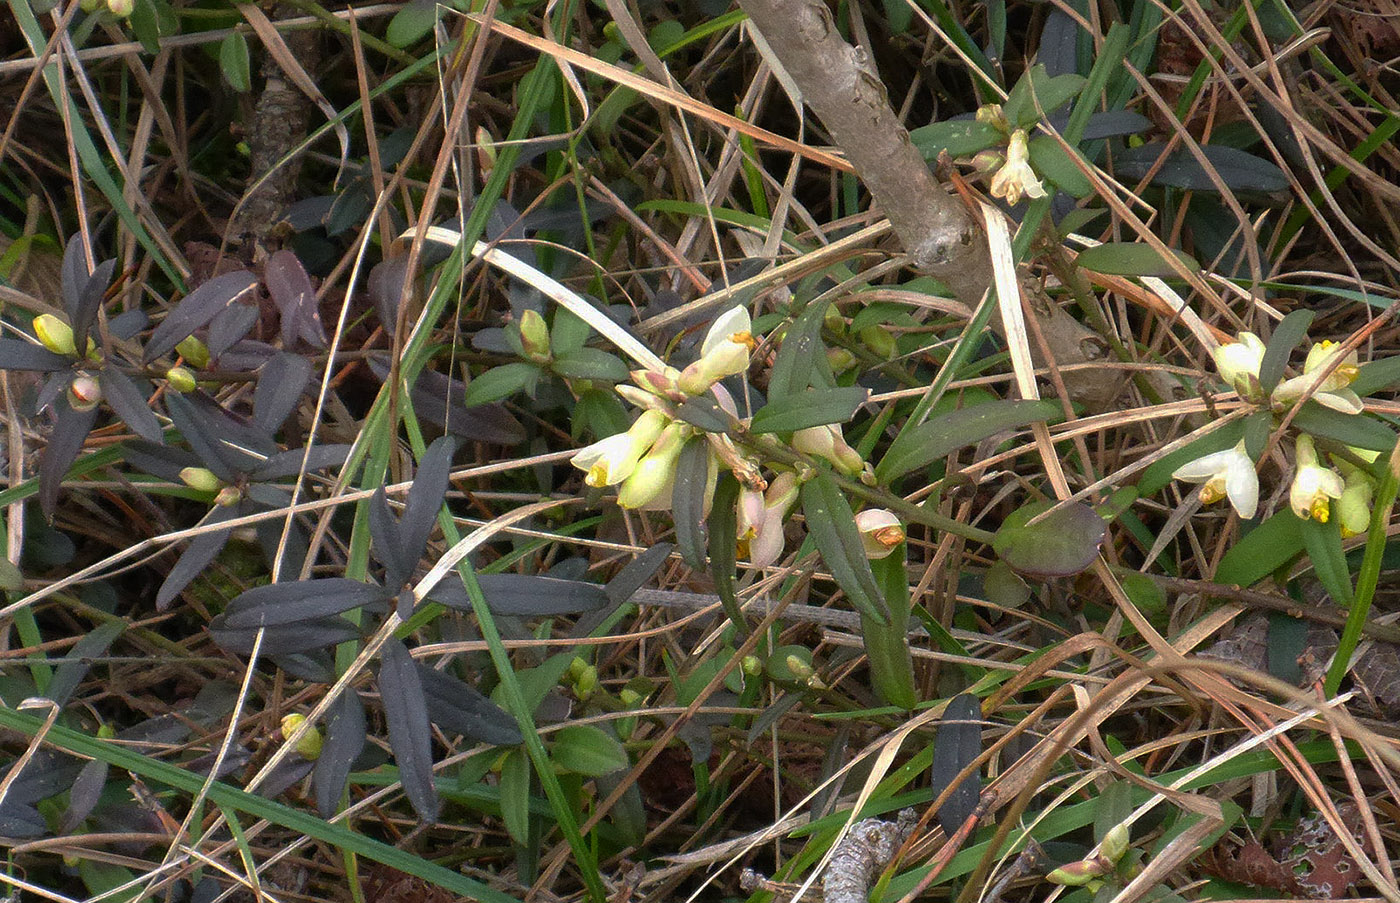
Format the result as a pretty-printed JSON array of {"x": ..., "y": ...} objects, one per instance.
[
  {"x": 767, "y": 539},
  {"x": 612, "y": 460},
  {"x": 1016, "y": 177},
  {"x": 880, "y": 532},
  {"x": 1225, "y": 474},
  {"x": 655, "y": 474},
  {"x": 827, "y": 442},
  {"x": 1238, "y": 363},
  {"x": 724, "y": 352},
  {"x": 1313, "y": 484},
  {"x": 1333, "y": 390}
]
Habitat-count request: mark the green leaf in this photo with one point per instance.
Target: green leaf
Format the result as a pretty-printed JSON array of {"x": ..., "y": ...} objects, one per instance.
[
  {"x": 940, "y": 436},
  {"x": 960, "y": 138},
  {"x": 567, "y": 333},
  {"x": 1063, "y": 543},
  {"x": 887, "y": 647},
  {"x": 1050, "y": 160},
  {"x": 588, "y": 750},
  {"x": 591, "y": 363},
  {"x": 145, "y": 24},
  {"x": 1287, "y": 334},
  {"x": 1324, "y": 546},
  {"x": 724, "y": 540},
  {"x": 515, "y": 795},
  {"x": 411, "y": 23},
  {"x": 235, "y": 63},
  {"x": 1352, "y": 429},
  {"x": 11, "y": 580},
  {"x": 807, "y": 409},
  {"x": 1132, "y": 259},
  {"x": 501, "y": 382},
  {"x": 703, "y": 411},
  {"x": 1377, "y": 375},
  {"x": 832, "y": 526},
  {"x": 688, "y": 501},
  {"x": 1037, "y": 86},
  {"x": 801, "y": 356},
  {"x": 1262, "y": 550}
]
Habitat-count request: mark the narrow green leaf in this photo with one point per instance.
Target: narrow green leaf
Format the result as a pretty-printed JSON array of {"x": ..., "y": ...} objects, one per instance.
[
  {"x": 591, "y": 363},
  {"x": 1287, "y": 334},
  {"x": 1262, "y": 550},
  {"x": 796, "y": 365},
  {"x": 235, "y": 63},
  {"x": 724, "y": 541},
  {"x": 501, "y": 382},
  {"x": 1038, "y": 88},
  {"x": 1324, "y": 546},
  {"x": 1064, "y": 543},
  {"x": 515, "y": 795},
  {"x": 832, "y": 526},
  {"x": 960, "y": 138},
  {"x": 941, "y": 436},
  {"x": 688, "y": 501},
  {"x": 588, "y": 750},
  {"x": 1051, "y": 160},
  {"x": 1351, "y": 429},
  {"x": 1377, "y": 375},
  {"x": 957, "y": 744},
  {"x": 1132, "y": 259},
  {"x": 814, "y": 407}
]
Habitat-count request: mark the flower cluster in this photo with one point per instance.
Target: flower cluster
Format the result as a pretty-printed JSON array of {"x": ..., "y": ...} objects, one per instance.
[
  {"x": 1014, "y": 176},
  {"x": 1327, "y": 376},
  {"x": 642, "y": 461}
]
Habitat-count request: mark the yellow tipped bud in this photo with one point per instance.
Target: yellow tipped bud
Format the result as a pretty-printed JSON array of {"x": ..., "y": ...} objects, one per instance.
[
  {"x": 1115, "y": 843},
  {"x": 181, "y": 379},
  {"x": 534, "y": 337},
  {"x": 201, "y": 478},
  {"x": 56, "y": 335},
  {"x": 310, "y": 743},
  {"x": 194, "y": 352}
]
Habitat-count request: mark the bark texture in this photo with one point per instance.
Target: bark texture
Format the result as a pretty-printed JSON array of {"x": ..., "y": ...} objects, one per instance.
[{"x": 841, "y": 86}]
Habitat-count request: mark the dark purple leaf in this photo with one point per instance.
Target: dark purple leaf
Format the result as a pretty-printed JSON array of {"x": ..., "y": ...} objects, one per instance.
[
  {"x": 386, "y": 539},
  {"x": 281, "y": 381},
  {"x": 1063, "y": 543},
  {"x": 958, "y": 743},
  {"x": 269, "y": 495},
  {"x": 223, "y": 445},
  {"x": 636, "y": 573},
  {"x": 17, "y": 354},
  {"x": 345, "y": 739},
  {"x": 314, "y": 667},
  {"x": 293, "y": 549},
  {"x": 1240, "y": 171},
  {"x": 288, "y": 773},
  {"x": 291, "y": 290},
  {"x": 90, "y": 301},
  {"x": 289, "y": 463},
  {"x": 70, "y": 430},
  {"x": 410, "y": 730},
  {"x": 425, "y": 497},
  {"x": 78, "y": 661},
  {"x": 387, "y": 289},
  {"x": 74, "y": 275},
  {"x": 523, "y": 596},
  {"x": 228, "y": 327},
  {"x": 20, "y": 820},
  {"x": 291, "y": 640},
  {"x": 127, "y": 324},
  {"x": 198, "y": 308},
  {"x": 457, "y": 706},
  {"x": 128, "y": 402},
  {"x": 688, "y": 501},
  {"x": 162, "y": 461},
  {"x": 278, "y": 604},
  {"x": 86, "y": 793},
  {"x": 1291, "y": 330},
  {"x": 202, "y": 550}
]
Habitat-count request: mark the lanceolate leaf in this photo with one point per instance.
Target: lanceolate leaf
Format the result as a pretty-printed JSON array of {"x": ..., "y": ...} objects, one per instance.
[
  {"x": 90, "y": 301},
  {"x": 636, "y": 573},
  {"x": 302, "y": 600},
  {"x": 70, "y": 431},
  {"x": 1132, "y": 259},
  {"x": 588, "y": 750},
  {"x": 703, "y": 411},
  {"x": 291, "y": 290},
  {"x": 457, "y": 706},
  {"x": 17, "y": 354},
  {"x": 832, "y": 525},
  {"x": 198, "y": 308},
  {"x": 515, "y": 795},
  {"x": 1287, "y": 334},
  {"x": 1329, "y": 560},
  {"x": 425, "y": 497},
  {"x": 801, "y": 356},
  {"x": 941, "y": 436},
  {"x": 410, "y": 731},
  {"x": 724, "y": 539},
  {"x": 1262, "y": 550},
  {"x": 1359, "y": 431},
  {"x": 958, "y": 743},
  {"x": 291, "y": 639},
  {"x": 815, "y": 407},
  {"x": 198, "y": 554},
  {"x": 78, "y": 660},
  {"x": 387, "y": 540},
  {"x": 523, "y": 595},
  {"x": 345, "y": 739},
  {"x": 281, "y": 382},
  {"x": 128, "y": 401},
  {"x": 688, "y": 500}
]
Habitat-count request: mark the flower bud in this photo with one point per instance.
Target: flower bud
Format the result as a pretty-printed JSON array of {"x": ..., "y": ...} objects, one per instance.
[
  {"x": 828, "y": 443},
  {"x": 84, "y": 393},
  {"x": 880, "y": 532},
  {"x": 724, "y": 352},
  {"x": 194, "y": 352},
  {"x": 121, "y": 8},
  {"x": 630, "y": 697},
  {"x": 1115, "y": 843},
  {"x": 310, "y": 743},
  {"x": 840, "y": 359},
  {"x": 181, "y": 379},
  {"x": 485, "y": 151},
  {"x": 586, "y": 682},
  {"x": 880, "y": 341},
  {"x": 228, "y": 497},
  {"x": 534, "y": 337},
  {"x": 1239, "y": 362},
  {"x": 660, "y": 382},
  {"x": 654, "y": 474},
  {"x": 1078, "y": 874},
  {"x": 56, "y": 335},
  {"x": 1354, "y": 507},
  {"x": 992, "y": 114},
  {"x": 751, "y": 665},
  {"x": 201, "y": 478}
]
